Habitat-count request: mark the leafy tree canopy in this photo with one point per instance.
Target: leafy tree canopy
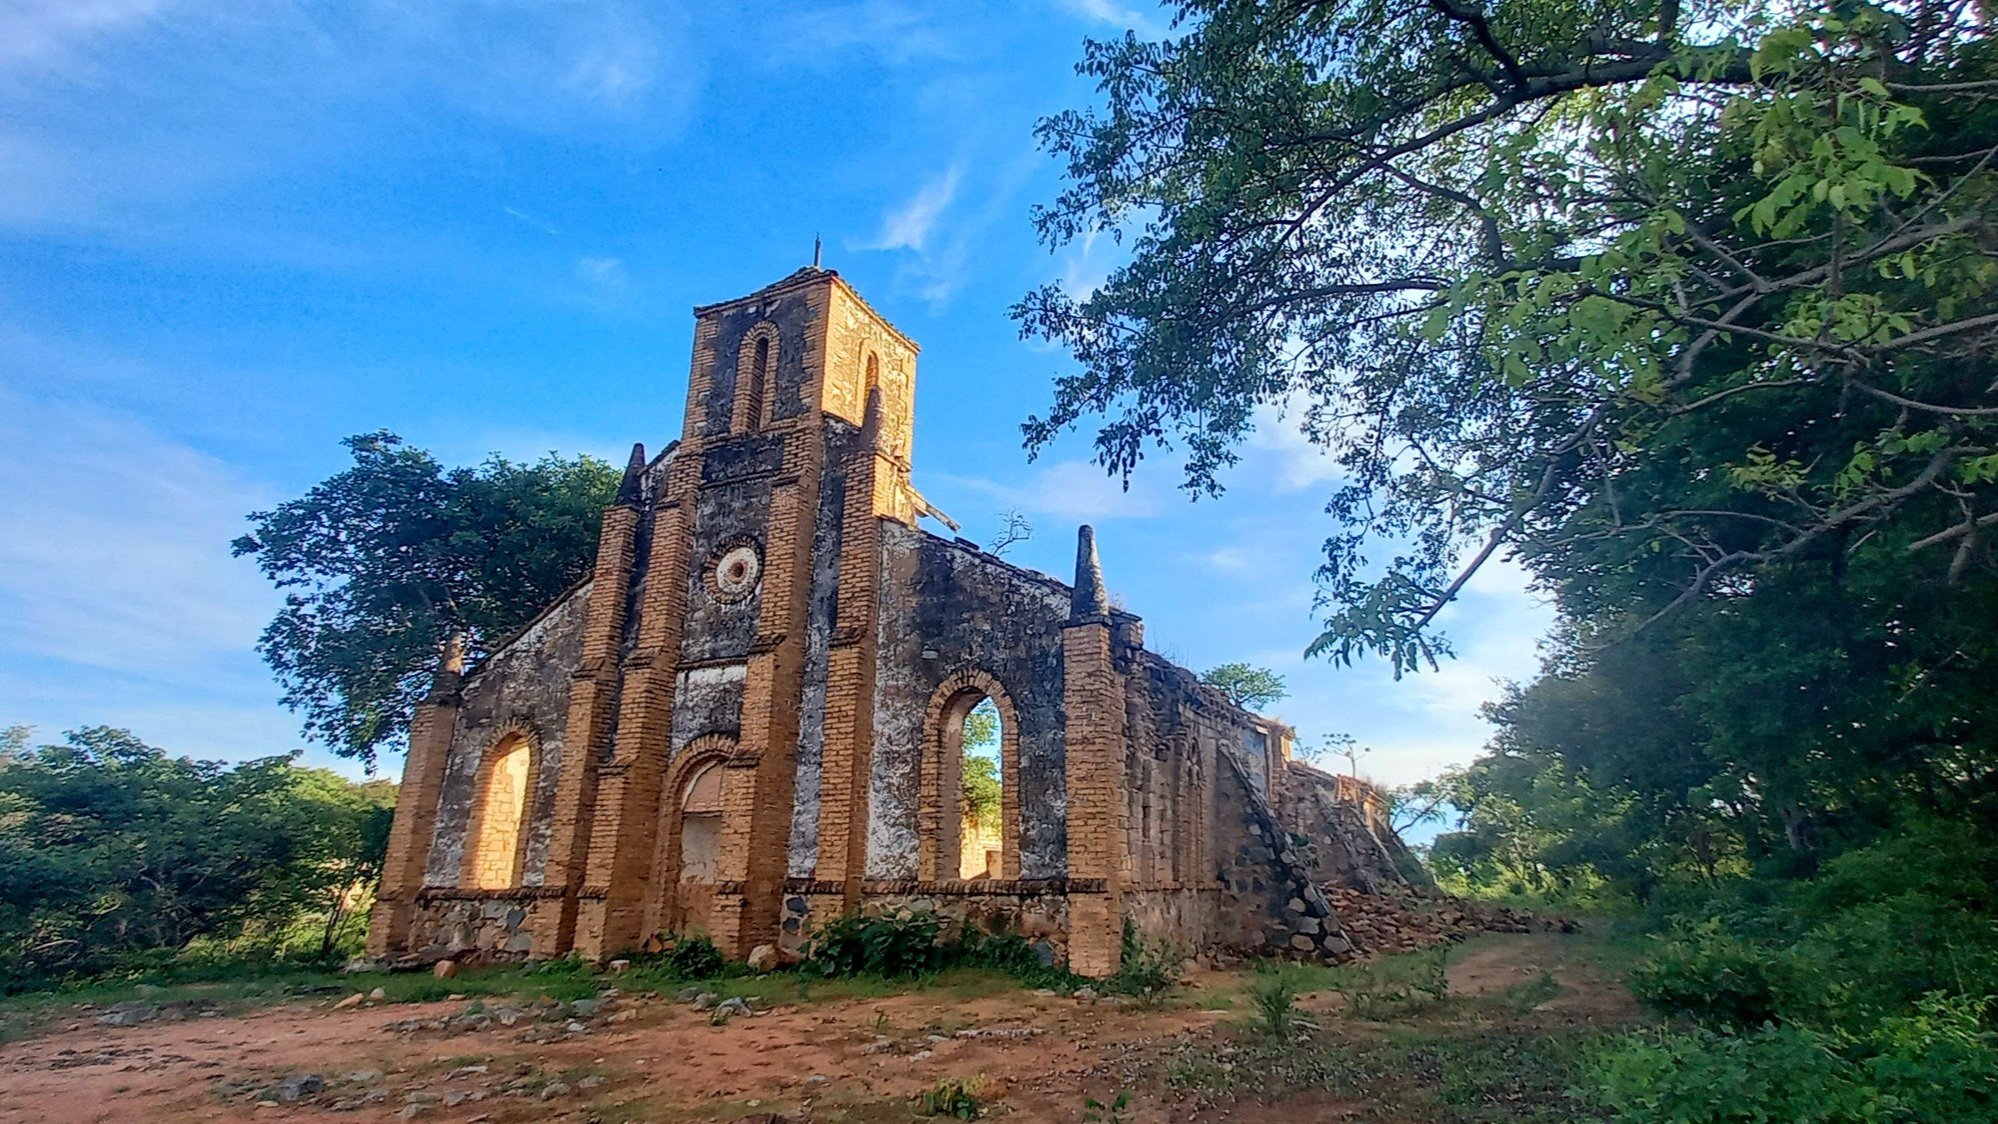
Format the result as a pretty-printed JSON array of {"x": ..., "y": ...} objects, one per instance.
[
  {"x": 383, "y": 562},
  {"x": 1247, "y": 686},
  {"x": 1666, "y": 297},
  {"x": 109, "y": 847}
]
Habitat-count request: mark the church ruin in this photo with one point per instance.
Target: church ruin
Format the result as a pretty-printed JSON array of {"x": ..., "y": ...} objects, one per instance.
[{"x": 750, "y": 719}]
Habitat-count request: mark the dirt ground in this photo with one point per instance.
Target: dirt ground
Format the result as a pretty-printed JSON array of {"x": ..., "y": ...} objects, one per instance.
[{"x": 1032, "y": 1055}]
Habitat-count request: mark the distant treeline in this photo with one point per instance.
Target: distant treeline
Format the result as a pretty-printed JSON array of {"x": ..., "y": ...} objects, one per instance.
[{"x": 115, "y": 855}]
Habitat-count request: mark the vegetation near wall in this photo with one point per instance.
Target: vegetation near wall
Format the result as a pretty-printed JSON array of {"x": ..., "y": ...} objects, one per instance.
[{"x": 116, "y": 856}]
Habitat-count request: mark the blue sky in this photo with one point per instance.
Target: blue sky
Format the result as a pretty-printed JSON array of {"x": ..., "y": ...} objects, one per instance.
[{"x": 234, "y": 231}]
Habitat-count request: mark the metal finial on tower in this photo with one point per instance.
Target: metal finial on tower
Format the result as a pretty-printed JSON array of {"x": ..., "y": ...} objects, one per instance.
[
  {"x": 631, "y": 490},
  {"x": 818, "y": 249},
  {"x": 1090, "y": 601}
]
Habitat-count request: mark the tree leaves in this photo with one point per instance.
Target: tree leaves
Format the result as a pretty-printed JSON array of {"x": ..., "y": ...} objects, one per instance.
[
  {"x": 385, "y": 560},
  {"x": 1515, "y": 260}
]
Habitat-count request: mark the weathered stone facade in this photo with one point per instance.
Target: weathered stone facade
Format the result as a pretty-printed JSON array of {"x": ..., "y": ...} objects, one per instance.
[{"x": 749, "y": 719}]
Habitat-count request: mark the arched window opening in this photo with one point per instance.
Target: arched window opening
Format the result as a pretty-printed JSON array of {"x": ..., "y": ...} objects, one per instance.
[
  {"x": 754, "y": 387},
  {"x": 968, "y": 816},
  {"x": 981, "y": 819},
  {"x": 873, "y": 378},
  {"x": 493, "y": 839}
]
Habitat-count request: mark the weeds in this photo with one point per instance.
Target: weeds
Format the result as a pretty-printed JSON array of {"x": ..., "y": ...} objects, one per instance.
[
  {"x": 1393, "y": 985},
  {"x": 1273, "y": 995},
  {"x": 955, "y": 1097},
  {"x": 1113, "y": 1113},
  {"x": 1147, "y": 968}
]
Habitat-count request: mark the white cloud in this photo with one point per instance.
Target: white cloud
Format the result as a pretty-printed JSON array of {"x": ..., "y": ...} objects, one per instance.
[
  {"x": 51, "y": 35},
  {"x": 1116, "y": 15},
  {"x": 1281, "y": 431},
  {"x": 114, "y": 544},
  {"x": 235, "y": 89},
  {"x": 908, "y": 226},
  {"x": 822, "y": 36},
  {"x": 1068, "y": 490},
  {"x": 607, "y": 272}
]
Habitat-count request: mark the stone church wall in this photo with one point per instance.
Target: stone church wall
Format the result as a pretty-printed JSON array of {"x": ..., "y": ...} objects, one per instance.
[
  {"x": 947, "y": 607},
  {"x": 1211, "y": 863},
  {"x": 521, "y": 688}
]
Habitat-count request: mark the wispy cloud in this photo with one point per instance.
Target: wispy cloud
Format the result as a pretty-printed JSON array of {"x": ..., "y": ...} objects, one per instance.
[
  {"x": 114, "y": 544},
  {"x": 52, "y": 36},
  {"x": 238, "y": 89},
  {"x": 1068, "y": 490},
  {"x": 939, "y": 234},
  {"x": 604, "y": 273},
  {"x": 530, "y": 220},
  {"x": 1283, "y": 432},
  {"x": 821, "y": 36},
  {"x": 1121, "y": 16},
  {"x": 909, "y": 225}
]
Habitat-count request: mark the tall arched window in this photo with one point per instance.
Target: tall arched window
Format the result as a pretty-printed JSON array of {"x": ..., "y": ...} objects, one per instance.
[
  {"x": 495, "y": 838},
  {"x": 981, "y": 830},
  {"x": 970, "y": 810},
  {"x": 755, "y": 375}
]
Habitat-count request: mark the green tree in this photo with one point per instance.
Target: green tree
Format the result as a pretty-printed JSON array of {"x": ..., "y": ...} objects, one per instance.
[
  {"x": 1247, "y": 686},
  {"x": 383, "y": 562},
  {"x": 109, "y": 847},
  {"x": 981, "y": 783},
  {"x": 1661, "y": 297}
]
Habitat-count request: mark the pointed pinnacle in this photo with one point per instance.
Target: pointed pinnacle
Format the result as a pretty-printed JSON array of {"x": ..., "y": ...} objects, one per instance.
[
  {"x": 1090, "y": 602},
  {"x": 632, "y": 489},
  {"x": 870, "y": 421}
]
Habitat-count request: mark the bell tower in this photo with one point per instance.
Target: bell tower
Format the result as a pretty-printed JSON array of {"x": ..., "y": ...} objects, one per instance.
[{"x": 731, "y": 633}]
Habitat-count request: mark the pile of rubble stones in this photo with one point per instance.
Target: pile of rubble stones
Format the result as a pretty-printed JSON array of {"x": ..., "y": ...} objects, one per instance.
[{"x": 1408, "y": 920}]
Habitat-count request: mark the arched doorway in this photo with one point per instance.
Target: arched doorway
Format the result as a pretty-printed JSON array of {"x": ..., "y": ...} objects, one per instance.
[{"x": 700, "y": 850}]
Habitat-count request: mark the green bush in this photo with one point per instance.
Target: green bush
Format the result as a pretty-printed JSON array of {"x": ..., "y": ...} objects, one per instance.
[
  {"x": 687, "y": 958},
  {"x": 890, "y": 945},
  {"x": 1009, "y": 953},
  {"x": 1394, "y": 984},
  {"x": 955, "y": 1097},
  {"x": 1146, "y": 968},
  {"x": 1273, "y": 995},
  {"x": 1936, "y": 1065},
  {"x": 1717, "y": 980}
]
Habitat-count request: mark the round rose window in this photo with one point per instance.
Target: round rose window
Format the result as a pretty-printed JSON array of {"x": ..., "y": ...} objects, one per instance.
[{"x": 736, "y": 572}]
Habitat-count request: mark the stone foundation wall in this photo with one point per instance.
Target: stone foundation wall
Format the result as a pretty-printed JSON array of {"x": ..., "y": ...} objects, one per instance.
[
  {"x": 490, "y": 924},
  {"x": 1037, "y": 910}
]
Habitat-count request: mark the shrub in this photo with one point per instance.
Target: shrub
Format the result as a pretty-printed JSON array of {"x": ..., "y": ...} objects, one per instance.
[
  {"x": 1009, "y": 953},
  {"x": 955, "y": 1097},
  {"x": 692, "y": 958},
  {"x": 1273, "y": 993},
  {"x": 1712, "y": 977},
  {"x": 1938, "y": 1064},
  {"x": 891, "y": 945},
  {"x": 1146, "y": 969}
]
